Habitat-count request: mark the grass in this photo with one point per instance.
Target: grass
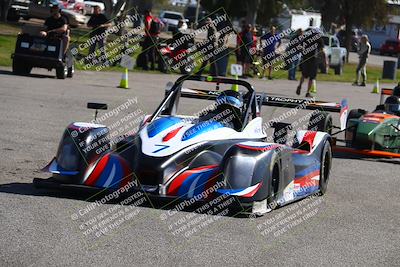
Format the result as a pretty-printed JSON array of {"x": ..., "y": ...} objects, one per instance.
[
  {"x": 7, "y": 46},
  {"x": 8, "y": 33}
]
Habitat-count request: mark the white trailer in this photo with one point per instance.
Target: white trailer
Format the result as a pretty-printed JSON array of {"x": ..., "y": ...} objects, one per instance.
[{"x": 299, "y": 19}]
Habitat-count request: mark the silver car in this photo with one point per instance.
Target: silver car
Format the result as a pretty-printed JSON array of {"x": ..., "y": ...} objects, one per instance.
[{"x": 41, "y": 9}]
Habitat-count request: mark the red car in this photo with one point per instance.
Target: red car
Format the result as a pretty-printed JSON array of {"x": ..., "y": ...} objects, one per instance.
[
  {"x": 390, "y": 47},
  {"x": 74, "y": 5}
]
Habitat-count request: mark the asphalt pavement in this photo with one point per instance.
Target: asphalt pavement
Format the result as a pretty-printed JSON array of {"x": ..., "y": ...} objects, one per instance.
[{"x": 355, "y": 223}]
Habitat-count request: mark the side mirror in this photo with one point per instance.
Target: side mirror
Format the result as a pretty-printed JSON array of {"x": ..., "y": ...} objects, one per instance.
[
  {"x": 97, "y": 106},
  {"x": 92, "y": 105}
]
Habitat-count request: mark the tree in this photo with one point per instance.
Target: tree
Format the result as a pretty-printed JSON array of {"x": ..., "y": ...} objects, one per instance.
[
  {"x": 254, "y": 11},
  {"x": 4, "y": 6},
  {"x": 352, "y": 13}
]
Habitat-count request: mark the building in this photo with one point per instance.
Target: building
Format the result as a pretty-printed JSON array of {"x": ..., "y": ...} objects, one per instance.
[{"x": 378, "y": 34}]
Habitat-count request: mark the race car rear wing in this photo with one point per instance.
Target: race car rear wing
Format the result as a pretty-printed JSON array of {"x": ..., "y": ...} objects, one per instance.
[
  {"x": 280, "y": 101},
  {"x": 277, "y": 101},
  {"x": 310, "y": 104}
]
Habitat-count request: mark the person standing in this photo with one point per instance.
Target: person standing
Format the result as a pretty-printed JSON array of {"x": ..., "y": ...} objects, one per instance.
[
  {"x": 312, "y": 45},
  {"x": 239, "y": 44},
  {"x": 363, "y": 51},
  {"x": 294, "y": 58},
  {"x": 152, "y": 27},
  {"x": 211, "y": 46},
  {"x": 245, "y": 42},
  {"x": 99, "y": 24},
  {"x": 269, "y": 42}
]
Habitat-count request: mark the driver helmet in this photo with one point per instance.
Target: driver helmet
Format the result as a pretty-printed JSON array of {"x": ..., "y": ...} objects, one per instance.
[
  {"x": 392, "y": 104},
  {"x": 230, "y": 98},
  {"x": 396, "y": 90}
]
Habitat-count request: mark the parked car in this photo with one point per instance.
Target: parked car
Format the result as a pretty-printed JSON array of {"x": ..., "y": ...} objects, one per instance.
[
  {"x": 74, "y": 5},
  {"x": 390, "y": 47},
  {"x": 181, "y": 2},
  {"x": 18, "y": 8},
  {"x": 89, "y": 6},
  {"x": 335, "y": 56},
  {"x": 171, "y": 19},
  {"x": 40, "y": 9}
]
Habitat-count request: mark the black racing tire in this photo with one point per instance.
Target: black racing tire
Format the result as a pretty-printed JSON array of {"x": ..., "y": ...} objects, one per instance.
[
  {"x": 355, "y": 114},
  {"x": 325, "y": 169},
  {"x": 62, "y": 72},
  {"x": 71, "y": 71},
  {"x": 275, "y": 179},
  {"x": 321, "y": 122}
]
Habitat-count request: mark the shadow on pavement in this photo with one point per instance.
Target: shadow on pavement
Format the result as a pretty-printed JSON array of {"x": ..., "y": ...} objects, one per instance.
[
  {"x": 28, "y": 189},
  {"x": 341, "y": 155},
  {"x": 8, "y": 72}
]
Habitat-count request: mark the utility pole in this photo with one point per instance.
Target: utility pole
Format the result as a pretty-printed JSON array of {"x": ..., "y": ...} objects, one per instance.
[{"x": 196, "y": 19}]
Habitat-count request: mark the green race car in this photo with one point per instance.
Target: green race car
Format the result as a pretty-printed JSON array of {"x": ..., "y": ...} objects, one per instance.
[{"x": 376, "y": 133}]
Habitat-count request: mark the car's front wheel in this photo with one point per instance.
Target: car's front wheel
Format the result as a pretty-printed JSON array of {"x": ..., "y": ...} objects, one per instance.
[{"x": 325, "y": 169}]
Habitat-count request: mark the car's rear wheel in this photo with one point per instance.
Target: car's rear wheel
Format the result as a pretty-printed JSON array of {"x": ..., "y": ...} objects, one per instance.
[
  {"x": 71, "y": 71},
  {"x": 62, "y": 72},
  {"x": 350, "y": 132},
  {"x": 321, "y": 121},
  {"x": 355, "y": 114},
  {"x": 325, "y": 169}
]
